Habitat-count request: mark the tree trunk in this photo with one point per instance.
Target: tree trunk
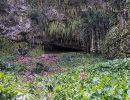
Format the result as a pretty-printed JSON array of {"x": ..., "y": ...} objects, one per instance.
[{"x": 92, "y": 42}]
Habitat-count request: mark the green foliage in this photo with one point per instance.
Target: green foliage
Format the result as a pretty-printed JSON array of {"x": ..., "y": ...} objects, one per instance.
[
  {"x": 7, "y": 86},
  {"x": 17, "y": 68},
  {"x": 72, "y": 60},
  {"x": 104, "y": 79},
  {"x": 9, "y": 47},
  {"x": 56, "y": 27},
  {"x": 63, "y": 30},
  {"x": 114, "y": 44},
  {"x": 36, "y": 52},
  {"x": 6, "y": 57},
  {"x": 105, "y": 85},
  {"x": 38, "y": 68},
  {"x": 12, "y": 88},
  {"x": 114, "y": 65}
]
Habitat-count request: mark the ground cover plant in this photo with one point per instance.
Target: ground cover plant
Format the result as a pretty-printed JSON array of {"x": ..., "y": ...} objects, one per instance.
[
  {"x": 86, "y": 79},
  {"x": 64, "y": 49}
]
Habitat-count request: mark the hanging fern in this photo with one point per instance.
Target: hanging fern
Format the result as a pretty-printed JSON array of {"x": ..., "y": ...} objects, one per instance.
[{"x": 56, "y": 27}]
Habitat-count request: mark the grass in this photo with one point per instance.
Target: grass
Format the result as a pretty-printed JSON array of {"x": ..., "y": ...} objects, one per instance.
[
  {"x": 79, "y": 59},
  {"x": 6, "y": 57},
  {"x": 36, "y": 52}
]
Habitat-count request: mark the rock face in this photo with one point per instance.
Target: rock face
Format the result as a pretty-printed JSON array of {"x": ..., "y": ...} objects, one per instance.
[
  {"x": 52, "y": 14},
  {"x": 15, "y": 19},
  {"x": 66, "y": 24}
]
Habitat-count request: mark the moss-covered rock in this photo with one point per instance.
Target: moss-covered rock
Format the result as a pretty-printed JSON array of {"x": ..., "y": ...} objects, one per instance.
[{"x": 9, "y": 46}]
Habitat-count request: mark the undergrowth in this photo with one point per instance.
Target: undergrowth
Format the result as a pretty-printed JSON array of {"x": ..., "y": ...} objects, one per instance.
[{"x": 88, "y": 77}]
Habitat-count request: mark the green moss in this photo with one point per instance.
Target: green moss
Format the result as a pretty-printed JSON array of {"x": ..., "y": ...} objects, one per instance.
[{"x": 8, "y": 46}]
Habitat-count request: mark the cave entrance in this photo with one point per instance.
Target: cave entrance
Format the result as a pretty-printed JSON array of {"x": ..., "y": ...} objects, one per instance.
[{"x": 60, "y": 49}]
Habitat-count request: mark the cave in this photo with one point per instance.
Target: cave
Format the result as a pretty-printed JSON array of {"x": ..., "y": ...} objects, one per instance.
[{"x": 56, "y": 48}]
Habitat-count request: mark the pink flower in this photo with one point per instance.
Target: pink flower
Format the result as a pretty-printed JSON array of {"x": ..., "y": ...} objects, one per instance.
[{"x": 83, "y": 75}]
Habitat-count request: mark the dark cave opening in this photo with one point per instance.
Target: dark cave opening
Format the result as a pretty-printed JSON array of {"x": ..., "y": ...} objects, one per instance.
[{"x": 58, "y": 49}]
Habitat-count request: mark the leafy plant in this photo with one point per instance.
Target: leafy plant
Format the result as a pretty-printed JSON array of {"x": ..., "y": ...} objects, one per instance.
[
  {"x": 38, "y": 68},
  {"x": 16, "y": 68},
  {"x": 36, "y": 52}
]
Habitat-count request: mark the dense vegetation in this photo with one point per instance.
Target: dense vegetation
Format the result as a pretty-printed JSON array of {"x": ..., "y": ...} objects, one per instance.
[
  {"x": 91, "y": 26},
  {"x": 86, "y": 24},
  {"x": 103, "y": 80},
  {"x": 95, "y": 33}
]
